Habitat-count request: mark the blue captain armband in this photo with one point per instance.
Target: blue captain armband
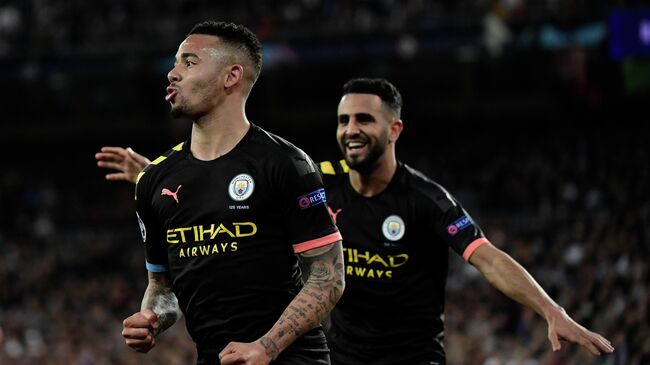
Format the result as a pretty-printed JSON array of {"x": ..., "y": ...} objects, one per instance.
[{"x": 155, "y": 268}]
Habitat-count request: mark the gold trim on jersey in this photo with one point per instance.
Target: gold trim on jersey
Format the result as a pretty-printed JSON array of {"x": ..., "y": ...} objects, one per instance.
[
  {"x": 178, "y": 147},
  {"x": 155, "y": 162},
  {"x": 329, "y": 168},
  {"x": 345, "y": 166},
  {"x": 137, "y": 179},
  {"x": 158, "y": 160}
]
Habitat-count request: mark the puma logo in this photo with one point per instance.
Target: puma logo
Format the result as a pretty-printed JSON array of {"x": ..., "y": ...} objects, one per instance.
[
  {"x": 333, "y": 213},
  {"x": 174, "y": 195}
]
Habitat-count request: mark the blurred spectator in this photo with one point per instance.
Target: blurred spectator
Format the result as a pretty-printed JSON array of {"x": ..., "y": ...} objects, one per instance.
[
  {"x": 571, "y": 205},
  {"x": 75, "y": 25},
  {"x": 68, "y": 278}
]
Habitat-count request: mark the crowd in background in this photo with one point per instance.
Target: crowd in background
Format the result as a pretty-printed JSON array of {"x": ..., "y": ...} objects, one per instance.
[
  {"x": 574, "y": 211},
  {"x": 568, "y": 199},
  {"x": 43, "y": 26}
]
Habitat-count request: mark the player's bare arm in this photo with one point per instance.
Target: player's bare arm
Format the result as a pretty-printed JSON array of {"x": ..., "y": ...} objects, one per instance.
[
  {"x": 323, "y": 286},
  {"x": 504, "y": 273},
  {"x": 159, "y": 310},
  {"x": 126, "y": 161},
  {"x": 160, "y": 298}
]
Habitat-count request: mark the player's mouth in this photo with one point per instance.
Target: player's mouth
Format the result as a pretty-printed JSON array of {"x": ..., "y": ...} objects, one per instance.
[
  {"x": 171, "y": 94},
  {"x": 355, "y": 146}
]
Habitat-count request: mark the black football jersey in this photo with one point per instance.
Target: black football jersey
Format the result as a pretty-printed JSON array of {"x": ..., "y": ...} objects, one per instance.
[
  {"x": 396, "y": 252},
  {"x": 228, "y": 231}
]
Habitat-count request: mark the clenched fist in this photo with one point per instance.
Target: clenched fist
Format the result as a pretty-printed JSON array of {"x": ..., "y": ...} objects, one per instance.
[{"x": 140, "y": 330}]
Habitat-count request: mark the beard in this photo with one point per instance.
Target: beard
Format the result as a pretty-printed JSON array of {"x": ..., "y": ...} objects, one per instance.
[
  {"x": 365, "y": 163},
  {"x": 177, "y": 111}
]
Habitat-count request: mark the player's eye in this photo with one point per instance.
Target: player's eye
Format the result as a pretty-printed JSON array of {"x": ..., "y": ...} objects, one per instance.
[
  {"x": 344, "y": 119},
  {"x": 365, "y": 118}
]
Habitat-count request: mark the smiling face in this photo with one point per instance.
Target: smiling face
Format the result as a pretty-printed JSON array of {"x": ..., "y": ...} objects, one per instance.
[
  {"x": 197, "y": 78},
  {"x": 364, "y": 130}
]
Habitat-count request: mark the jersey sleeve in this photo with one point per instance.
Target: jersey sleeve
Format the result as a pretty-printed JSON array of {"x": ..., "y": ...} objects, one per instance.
[
  {"x": 307, "y": 216},
  {"x": 150, "y": 229},
  {"x": 456, "y": 227}
]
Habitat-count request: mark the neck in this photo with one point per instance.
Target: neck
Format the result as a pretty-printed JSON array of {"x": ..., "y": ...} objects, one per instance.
[
  {"x": 373, "y": 182},
  {"x": 218, "y": 132}
]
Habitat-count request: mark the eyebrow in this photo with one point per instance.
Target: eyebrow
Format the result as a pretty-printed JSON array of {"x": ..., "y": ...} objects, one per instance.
[
  {"x": 364, "y": 115},
  {"x": 186, "y": 55},
  {"x": 358, "y": 116}
]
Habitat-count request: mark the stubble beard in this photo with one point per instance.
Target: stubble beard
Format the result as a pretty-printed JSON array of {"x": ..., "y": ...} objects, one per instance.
[
  {"x": 369, "y": 161},
  {"x": 177, "y": 111}
]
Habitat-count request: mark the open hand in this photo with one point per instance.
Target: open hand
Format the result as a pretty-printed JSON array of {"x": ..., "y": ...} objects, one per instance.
[
  {"x": 127, "y": 162},
  {"x": 562, "y": 327}
]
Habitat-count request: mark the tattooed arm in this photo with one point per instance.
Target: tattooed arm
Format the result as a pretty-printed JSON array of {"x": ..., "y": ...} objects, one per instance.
[
  {"x": 161, "y": 300},
  {"x": 159, "y": 310},
  {"x": 324, "y": 284},
  {"x": 306, "y": 271}
]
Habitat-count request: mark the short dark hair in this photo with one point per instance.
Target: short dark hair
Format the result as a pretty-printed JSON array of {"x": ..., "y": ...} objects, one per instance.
[
  {"x": 236, "y": 36},
  {"x": 380, "y": 87}
]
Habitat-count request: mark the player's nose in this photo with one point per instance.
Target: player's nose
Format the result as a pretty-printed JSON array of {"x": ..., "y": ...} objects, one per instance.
[
  {"x": 173, "y": 75},
  {"x": 352, "y": 128}
]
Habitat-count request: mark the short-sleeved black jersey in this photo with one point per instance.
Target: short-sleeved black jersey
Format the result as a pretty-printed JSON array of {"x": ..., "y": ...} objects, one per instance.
[
  {"x": 228, "y": 230},
  {"x": 396, "y": 252}
]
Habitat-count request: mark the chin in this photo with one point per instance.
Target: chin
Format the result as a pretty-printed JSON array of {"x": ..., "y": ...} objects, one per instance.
[
  {"x": 366, "y": 162},
  {"x": 176, "y": 112},
  {"x": 358, "y": 164}
]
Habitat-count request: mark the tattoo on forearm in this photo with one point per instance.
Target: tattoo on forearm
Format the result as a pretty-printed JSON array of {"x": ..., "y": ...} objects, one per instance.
[
  {"x": 163, "y": 302},
  {"x": 270, "y": 347},
  {"x": 322, "y": 289},
  {"x": 166, "y": 308}
]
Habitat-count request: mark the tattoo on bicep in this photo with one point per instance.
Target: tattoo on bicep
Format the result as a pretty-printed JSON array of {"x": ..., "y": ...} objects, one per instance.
[
  {"x": 327, "y": 272},
  {"x": 320, "y": 273},
  {"x": 325, "y": 281}
]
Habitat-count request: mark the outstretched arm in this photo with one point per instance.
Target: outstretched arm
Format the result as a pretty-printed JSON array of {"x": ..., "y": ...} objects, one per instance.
[
  {"x": 504, "y": 273},
  {"x": 159, "y": 310},
  {"x": 127, "y": 162},
  {"x": 322, "y": 289}
]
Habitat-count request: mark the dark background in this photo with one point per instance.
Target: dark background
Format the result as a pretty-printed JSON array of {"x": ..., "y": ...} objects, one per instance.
[{"x": 517, "y": 107}]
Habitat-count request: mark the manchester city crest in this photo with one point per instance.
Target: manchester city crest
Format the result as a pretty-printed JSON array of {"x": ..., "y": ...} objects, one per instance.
[
  {"x": 393, "y": 228},
  {"x": 241, "y": 187}
]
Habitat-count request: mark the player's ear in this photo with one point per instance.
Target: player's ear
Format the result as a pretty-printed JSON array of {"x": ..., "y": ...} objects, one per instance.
[
  {"x": 396, "y": 127},
  {"x": 234, "y": 76}
]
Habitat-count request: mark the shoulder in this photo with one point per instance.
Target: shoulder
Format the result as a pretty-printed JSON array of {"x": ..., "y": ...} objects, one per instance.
[
  {"x": 161, "y": 163},
  {"x": 283, "y": 152},
  {"x": 431, "y": 191},
  {"x": 333, "y": 172},
  {"x": 334, "y": 167}
]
